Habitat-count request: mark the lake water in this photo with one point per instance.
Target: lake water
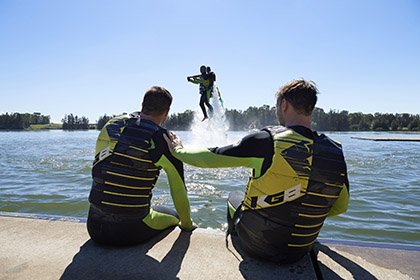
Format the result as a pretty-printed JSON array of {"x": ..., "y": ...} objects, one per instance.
[{"x": 49, "y": 172}]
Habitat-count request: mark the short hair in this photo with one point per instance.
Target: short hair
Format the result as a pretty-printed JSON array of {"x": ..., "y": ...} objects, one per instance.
[
  {"x": 156, "y": 101},
  {"x": 301, "y": 94}
]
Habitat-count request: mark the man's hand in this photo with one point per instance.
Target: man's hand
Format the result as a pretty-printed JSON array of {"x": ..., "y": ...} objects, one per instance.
[{"x": 173, "y": 142}]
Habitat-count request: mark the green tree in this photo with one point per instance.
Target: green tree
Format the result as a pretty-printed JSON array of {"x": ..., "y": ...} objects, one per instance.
[
  {"x": 235, "y": 120},
  {"x": 319, "y": 119},
  {"x": 103, "y": 120},
  {"x": 22, "y": 121},
  {"x": 364, "y": 125},
  {"x": 354, "y": 120},
  {"x": 382, "y": 122},
  {"x": 414, "y": 123},
  {"x": 71, "y": 122},
  {"x": 179, "y": 121}
]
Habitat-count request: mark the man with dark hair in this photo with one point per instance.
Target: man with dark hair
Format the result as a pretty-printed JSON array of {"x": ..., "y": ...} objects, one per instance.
[
  {"x": 130, "y": 152},
  {"x": 298, "y": 179},
  {"x": 156, "y": 101},
  {"x": 204, "y": 89}
]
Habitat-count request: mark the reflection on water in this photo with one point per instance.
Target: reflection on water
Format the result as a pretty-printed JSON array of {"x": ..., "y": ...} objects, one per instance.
[{"x": 48, "y": 172}]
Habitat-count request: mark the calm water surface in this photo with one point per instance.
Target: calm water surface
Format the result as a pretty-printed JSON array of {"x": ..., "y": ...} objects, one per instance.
[{"x": 49, "y": 172}]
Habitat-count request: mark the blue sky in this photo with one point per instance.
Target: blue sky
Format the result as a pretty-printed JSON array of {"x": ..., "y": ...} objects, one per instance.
[{"x": 95, "y": 57}]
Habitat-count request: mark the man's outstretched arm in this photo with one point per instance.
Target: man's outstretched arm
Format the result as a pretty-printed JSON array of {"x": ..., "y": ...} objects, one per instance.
[
  {"x": 250, "y": 152},
  {"x": 175, "y": 172}
]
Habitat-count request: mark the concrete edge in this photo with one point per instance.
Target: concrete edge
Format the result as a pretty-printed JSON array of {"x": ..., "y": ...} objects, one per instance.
[
  {"x": 84, "y": 220},
  {"x": 383, "y": 245},
  {"x": 55, "y": 247},
  {"x": 43, "y": 217}
]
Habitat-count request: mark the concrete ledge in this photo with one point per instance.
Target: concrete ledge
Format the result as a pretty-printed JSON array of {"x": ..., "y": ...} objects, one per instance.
[
  {"x": 53, "y": 249},
  {"x": 50, "y": 247},
  {"x": 339, "y": 259}
]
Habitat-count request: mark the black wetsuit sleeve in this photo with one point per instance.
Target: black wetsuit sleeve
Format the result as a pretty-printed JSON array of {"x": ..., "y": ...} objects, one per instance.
[
  {"x": 174, "y": 169},
  {"x": 161, "y": 148},
  {"x": 254, "y": 150},
  {"x": 258, "y": 144}
]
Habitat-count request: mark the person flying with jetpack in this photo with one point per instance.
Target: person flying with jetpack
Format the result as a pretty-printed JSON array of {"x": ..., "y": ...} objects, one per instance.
[{"x": 205, "y": 89}]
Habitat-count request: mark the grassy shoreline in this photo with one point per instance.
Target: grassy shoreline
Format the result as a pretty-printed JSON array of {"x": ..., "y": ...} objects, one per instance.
[{"x": 45, "y": 126}]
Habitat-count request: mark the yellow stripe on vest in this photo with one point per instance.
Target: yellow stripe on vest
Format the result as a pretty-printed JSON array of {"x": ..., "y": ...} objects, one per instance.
[
  {"x": 323, "y": 195},
  {"x": 308, "y": 226},
  {"x": 312, "y": 216},
  {"x": 124, "y": 205},
  {"x": 313, "y": 205},
  {"x": 301, "y": 245},
  {"x": 334, "y": 185},
  {"x": 306, "y": 235},
  {"x": 127, "y": 187},
  {"x": 129, "y": 195},
  {"x": 128, "y": 176},
  {"x": 139, "y": 159},
  {"x": 117, "y": 163},
  {"x": 146, "y": 151}
]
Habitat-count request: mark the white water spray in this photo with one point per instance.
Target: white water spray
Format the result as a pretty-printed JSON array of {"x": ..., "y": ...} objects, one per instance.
[{"x": 213, "y": 131}]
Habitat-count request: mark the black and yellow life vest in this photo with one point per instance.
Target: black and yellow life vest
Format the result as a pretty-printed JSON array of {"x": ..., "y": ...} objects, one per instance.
[
  {"x": 284, "y": 209},
  {"x": 123, "y": 172}
]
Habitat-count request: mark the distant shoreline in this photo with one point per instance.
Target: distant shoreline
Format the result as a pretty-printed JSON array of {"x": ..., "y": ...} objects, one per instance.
[
  {"x": 53, "y": 126},
  {"x": 59, "y": 126},
  {"x": 50, "y": 126},
  {"x": 45, "y": 126}
]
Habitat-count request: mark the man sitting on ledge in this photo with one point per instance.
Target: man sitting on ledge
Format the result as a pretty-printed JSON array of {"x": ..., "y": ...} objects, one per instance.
[
  {"x": 298, "y": 179},
  {"x": 130, "y": 152}
]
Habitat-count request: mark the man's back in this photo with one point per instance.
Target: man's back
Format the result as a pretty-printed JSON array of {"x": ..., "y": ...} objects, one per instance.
[
  {"x": 130, "y": 151},
  {"x": 297, "y": 178},
  {"x": 284, "y": 209},
  {"x": 123, "y": 172}
]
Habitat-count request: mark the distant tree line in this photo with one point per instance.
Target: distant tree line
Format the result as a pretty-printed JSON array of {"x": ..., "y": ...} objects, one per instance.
[
  {"x": 102, "y": 121},
  {"x": 345, "y": 121},
  {"x": 179, "y": 121},
  {"x": 22, "y": 121},
  {"x": 321, "y": 120},
  {"x": 238, "y": 120},
  {"x": 260, "y": 116},
  {"x": 71, "y": 122},
  {"x": 241, "y": 120}
]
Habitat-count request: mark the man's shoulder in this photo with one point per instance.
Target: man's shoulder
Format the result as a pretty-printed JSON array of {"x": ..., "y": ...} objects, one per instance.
[
  {"x": 274, "y": 130},
  {"x": 135, "y": 125},
  {"x": 326, "y": 139},
  {"x": 159, "y": 132},
  {"x": 258, "y": 137}
]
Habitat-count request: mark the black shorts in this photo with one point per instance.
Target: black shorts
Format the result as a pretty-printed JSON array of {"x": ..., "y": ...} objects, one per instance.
[{"x": 116, "y": 229}]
